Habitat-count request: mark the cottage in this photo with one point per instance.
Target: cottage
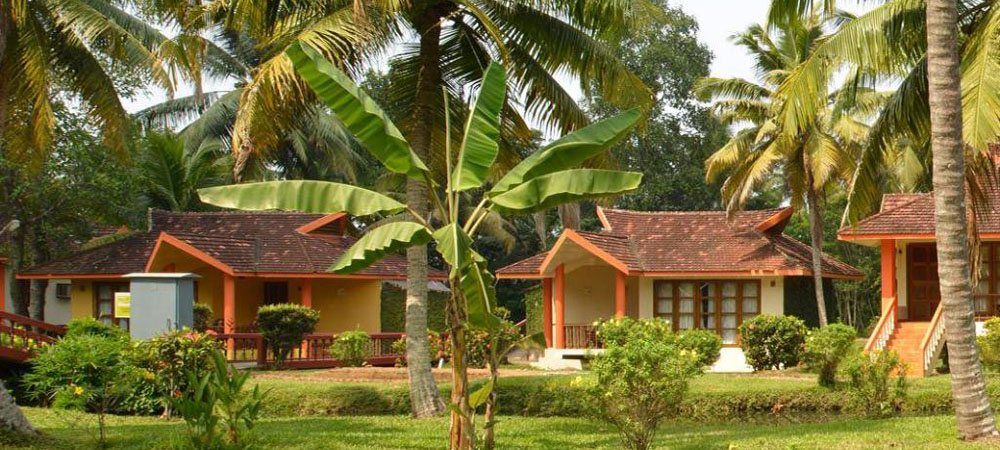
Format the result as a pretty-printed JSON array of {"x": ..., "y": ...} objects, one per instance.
[
  {"x": 241, "y": 260},
  {"x": 698, "y": 269}
]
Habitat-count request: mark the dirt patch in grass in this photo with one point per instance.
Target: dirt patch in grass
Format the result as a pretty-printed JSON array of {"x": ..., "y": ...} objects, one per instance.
[{"x": 391, "y": 374}]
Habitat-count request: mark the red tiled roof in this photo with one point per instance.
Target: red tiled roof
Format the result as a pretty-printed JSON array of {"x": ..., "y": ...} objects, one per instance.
[
  {"x": 913, "y": 214},
  {"x": 698, "y": 241},
  {"x": 247, "y": 242}
]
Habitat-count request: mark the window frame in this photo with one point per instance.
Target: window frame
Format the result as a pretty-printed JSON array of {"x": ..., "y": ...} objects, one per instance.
[{"x": 717, "y": 297}]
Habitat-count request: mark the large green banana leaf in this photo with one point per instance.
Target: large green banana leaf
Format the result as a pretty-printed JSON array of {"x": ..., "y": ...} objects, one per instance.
[
  {"x": 480, "y": 295},
  {"x": 366, "y": 120},
  {"x": 554, "y": 189},
  {"x": 376, "y": 244},
  {"x": 301, "y": 195},
  {"x": 569, "y": 151},
  {"x": 482, "y": 132},
  {"x": 454, "y": 245}
]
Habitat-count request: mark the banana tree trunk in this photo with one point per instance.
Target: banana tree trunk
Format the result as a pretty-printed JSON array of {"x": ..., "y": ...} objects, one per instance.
[
  {"x": 462, "y": 433},
  {"x": 425, "y": 400},
  {"x": 816, "y": 238},
  {"x": 972, "y": 406}
]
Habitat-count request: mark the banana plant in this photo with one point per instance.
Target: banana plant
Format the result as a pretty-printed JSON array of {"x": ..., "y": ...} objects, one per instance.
[{"x": 549, "y": 177}]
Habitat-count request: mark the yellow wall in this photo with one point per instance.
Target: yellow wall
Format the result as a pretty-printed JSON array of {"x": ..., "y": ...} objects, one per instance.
[{"x": 347, "y": 304}]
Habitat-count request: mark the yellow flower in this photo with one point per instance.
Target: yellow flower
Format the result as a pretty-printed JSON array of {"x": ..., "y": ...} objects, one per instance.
[
  {"x": 576, "y": 381},
  {"x": 148, "y": 375},
  {"x": 78, "y": 391}
]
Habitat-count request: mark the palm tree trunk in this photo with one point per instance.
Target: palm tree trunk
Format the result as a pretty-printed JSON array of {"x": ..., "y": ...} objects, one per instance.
[
  {"x": 816, "y": 239},
  {"x": 972, "y": 406},
  {"x": 569, "y": 215},
  {"x": 425, "y": 400}
]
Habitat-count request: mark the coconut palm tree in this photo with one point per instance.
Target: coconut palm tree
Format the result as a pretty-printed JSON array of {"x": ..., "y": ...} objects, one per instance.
[
  {"x": 811, "y": 159},
  {"x": 946, "y": 98},
  {"x": 173, "y": 174},
  {"x": 69, "y": 46},
  {"x": 972, "y": 405}
]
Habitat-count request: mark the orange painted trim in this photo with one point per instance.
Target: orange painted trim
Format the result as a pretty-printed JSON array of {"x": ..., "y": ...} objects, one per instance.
[
  {"x": 572, "y": 235},
  {"x": 186, "y": 248},
  {"x": 559, "y": 306},
  {"x": 319, "y": 223},
  {"x": 888, "y": 268},
  {"x": 734, "y": 273},
  {"x": 56, "y": 276},
  {"x": 770, "y": 222},
  {"x": 619, "y": 294},
  {"x": 547, "y": 310},
  {"x": 603, "y": 219},
  {"x": 330, "y": 275},
  {"x": 880, "y": 236},
  {"x": 307, "y": 293}
]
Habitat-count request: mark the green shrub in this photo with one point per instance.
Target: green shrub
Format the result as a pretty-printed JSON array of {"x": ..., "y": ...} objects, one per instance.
[
  {"x": 218, "y": 412},
  {"x": 167, "y": 359},
  {"x": 772, "y": 342},
  {"x": 706, "y": 344},
  {"x": 351, "y": 348},
  {"x": 438, "y": 346},
  {"x": 642, "y": 376},
  {"x": 873, "y": 388},
  {"x": 826, "y": 348},
  {"x": 989, "y": 344},
  {"x": 92, "y": 327},
  {"x": 202, "y": 316},
  {"x": 84, "y": 371},
  {"x": 284, "y": 325}
]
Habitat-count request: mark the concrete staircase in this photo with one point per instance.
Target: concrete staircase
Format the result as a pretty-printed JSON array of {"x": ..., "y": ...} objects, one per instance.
[{"x": 905, "y": 341}]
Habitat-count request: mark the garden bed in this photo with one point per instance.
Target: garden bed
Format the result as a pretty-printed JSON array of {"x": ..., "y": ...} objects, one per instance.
[{"x": 390, "y": 374}]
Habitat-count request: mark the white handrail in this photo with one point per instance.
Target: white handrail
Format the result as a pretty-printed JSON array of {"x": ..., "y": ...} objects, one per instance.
[
  {"x": 883, "y": 330},
  {"x": 933, "y": 340}
]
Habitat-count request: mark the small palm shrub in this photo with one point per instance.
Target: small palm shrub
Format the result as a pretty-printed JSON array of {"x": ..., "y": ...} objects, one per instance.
[
  {"x": 826, "y": 348},
  {"x": 642, "y": 376},
  {"x": 773, "y": 342},
  {"x": 876, "y": 384},
  {"x": 283, "y": 326},
  {"x": 351, "y": 347},
  {"x": 989, "y": 344},
  {"x": 706, "y": 344},
  {"x": 218, "y": 411},
  {"x": 202, "y": 316}
]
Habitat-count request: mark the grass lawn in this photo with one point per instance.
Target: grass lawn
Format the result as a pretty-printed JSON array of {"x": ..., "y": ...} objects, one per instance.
[{"x": 398, "y": 432}]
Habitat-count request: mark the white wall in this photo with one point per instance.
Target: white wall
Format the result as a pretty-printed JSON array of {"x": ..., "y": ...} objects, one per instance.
[{"x": 56, "y": 311}]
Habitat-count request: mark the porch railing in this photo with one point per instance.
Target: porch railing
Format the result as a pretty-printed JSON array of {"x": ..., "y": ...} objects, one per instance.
[
  {"x": 884, "y": 329},
  {"x": 315, "y": 351},
  {"x": 581, "y": 336},
  {"x": 21, "y": 337},
  {"x": 933, "y": 340}
]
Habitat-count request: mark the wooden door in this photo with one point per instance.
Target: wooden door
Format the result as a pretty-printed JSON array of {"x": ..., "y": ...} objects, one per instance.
[{"x": 923, "y": 291}]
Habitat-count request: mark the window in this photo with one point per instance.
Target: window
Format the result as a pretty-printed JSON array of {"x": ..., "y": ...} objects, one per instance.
[
  {"x": 717, "y": 305},
  {"x": 275, "y": 292},
  {"x": 104, "y": 304},
  {"x": 988, "y": 288},
  {"x": 63, "y": 291}
]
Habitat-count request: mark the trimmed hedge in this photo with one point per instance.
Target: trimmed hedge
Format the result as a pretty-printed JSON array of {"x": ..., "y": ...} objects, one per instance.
[
  {"x": 393, "y": 304},
  {"x": 545, "y": 396}
]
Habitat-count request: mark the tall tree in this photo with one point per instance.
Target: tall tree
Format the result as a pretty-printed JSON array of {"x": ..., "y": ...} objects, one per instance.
[
  {"x": 810, "y": 159},
  {"x": 173, "y": 174},
  {"x": 972, "y": 405}
]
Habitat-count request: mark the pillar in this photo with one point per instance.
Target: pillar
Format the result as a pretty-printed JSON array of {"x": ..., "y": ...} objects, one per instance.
[
  {"x": 3, "y": 284},
  {"x": 547, "y": 310},
  {"x": 619, "y": 293},
  {"x": 229, "y": 308},
  {"x": 307, "y": 293},
  {"x": 888, "y": 264},
  {"x": 559, "y": 308}
]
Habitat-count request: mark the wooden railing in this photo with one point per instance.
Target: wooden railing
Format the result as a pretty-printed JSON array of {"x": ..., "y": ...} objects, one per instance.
[
  {"x": 315, "y": 351},
  {"x": 21, "y": 337},
  {"x": 883, "y": 331},
  {"x": 933, "y": 340},
  {"x": 581, "y": 336}
]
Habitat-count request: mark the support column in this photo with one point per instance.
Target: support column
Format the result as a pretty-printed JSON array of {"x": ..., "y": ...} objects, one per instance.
[
  {"x": 307, "y": 292},
  {"x": 229, "y": 309},
  {"x": 619, "y": 294},
  {"x": 547, "y": 310},
  {"x": 888, "y": 264},
  {"x": 3, "y": 284},
  {"x": 559, "y": 308}
]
